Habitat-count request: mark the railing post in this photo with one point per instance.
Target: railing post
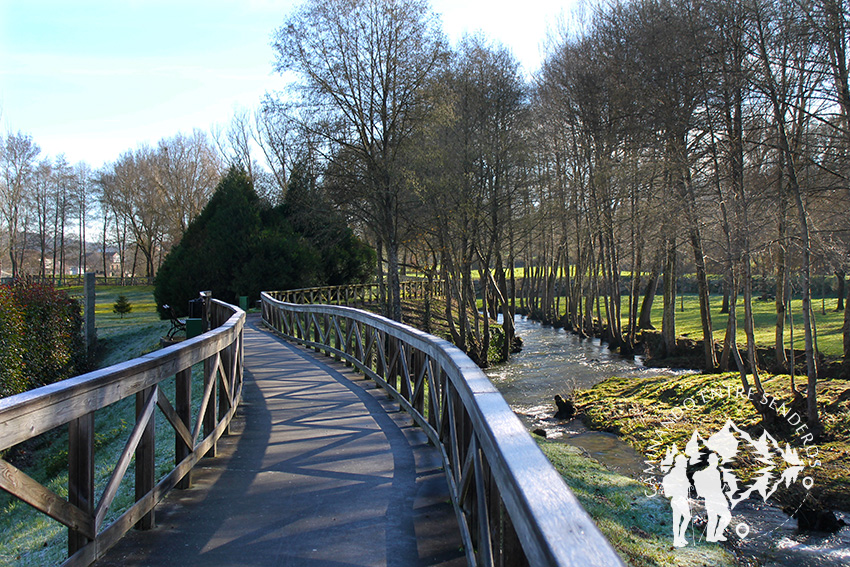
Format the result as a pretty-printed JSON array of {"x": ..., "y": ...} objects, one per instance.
[
  {"x": 350, "y": 340},
  {"x": 511, "y": 552},
  {"x": 239, "y": 352},
  {"x": 317, "y": 333},
  {"x": 337, "y": 342},
  {"x": 183, "y": 407},
  {"x": 80, "y": 473},
  {"x": 145, "y": 457}
]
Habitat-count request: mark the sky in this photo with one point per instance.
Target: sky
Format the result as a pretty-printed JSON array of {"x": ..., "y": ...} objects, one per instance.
[{"x": 94, "y": 79}]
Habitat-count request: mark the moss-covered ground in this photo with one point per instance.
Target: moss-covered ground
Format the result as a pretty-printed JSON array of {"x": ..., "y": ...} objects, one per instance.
[{"x": 667, "y": 409}]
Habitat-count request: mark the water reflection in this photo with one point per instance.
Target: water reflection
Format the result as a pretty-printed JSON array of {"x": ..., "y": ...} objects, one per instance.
[{"x": 554, "y": 361}]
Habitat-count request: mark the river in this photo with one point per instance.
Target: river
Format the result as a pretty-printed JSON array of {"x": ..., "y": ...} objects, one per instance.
[{"x": 554, "y": 361}]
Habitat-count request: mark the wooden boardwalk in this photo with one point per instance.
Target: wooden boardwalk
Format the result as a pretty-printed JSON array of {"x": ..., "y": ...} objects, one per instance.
[{"x": 321, "y": 469}]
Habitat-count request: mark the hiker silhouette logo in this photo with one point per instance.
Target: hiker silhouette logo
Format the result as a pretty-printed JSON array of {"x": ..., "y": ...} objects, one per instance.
[{"x": 709, "y": 469}]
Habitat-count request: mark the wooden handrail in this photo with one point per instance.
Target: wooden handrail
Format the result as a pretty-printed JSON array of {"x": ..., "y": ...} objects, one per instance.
[
  {"x": 512, "y": 506},
  {"x": 354, "y": 294},
  {"x": 73, "y": 402}
]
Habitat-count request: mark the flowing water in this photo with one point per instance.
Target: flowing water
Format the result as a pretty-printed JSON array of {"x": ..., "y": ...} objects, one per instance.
[{"x": 554, "y": 361}]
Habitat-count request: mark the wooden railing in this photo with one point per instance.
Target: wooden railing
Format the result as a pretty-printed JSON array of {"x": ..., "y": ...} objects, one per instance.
[
  {"x": 356, "y": 294},
  {"x": 74, "y": 402},
  {"x": 513, "y": 508}
]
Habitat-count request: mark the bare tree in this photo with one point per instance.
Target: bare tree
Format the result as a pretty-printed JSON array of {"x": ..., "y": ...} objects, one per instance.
[
  {"x": 468, "y": 161},
  {"x": 62, "y": 181},
  {"x": 83, "y": 190},
  {"x": 186, "y": 170},
  {"x": 18, "y": 157},
  {"x": 131, "y": 189},
  {"x": 236, "y": 140},
  {"x": 277, "y": 137},
  {"x": 364, "y": 66},
  {"x": 43, "y": 204},
  {"x": 769, "y": 32}
]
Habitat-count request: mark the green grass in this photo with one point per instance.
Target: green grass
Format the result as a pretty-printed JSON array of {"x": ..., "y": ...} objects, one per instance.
[
  {"x": 28, "y": 537},
  {"x": 137, "y": 333},
  {"x": 638, "y": 526},
  {"x": 688, "y": 322},
  {"x": 829, "y": 322}
]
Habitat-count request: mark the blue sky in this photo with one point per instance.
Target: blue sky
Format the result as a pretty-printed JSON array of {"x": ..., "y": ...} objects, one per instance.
[{"x": 93, "y": 79}]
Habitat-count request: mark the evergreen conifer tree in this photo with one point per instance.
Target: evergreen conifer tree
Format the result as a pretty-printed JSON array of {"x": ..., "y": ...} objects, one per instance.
[{"x": 122, "y": 306}]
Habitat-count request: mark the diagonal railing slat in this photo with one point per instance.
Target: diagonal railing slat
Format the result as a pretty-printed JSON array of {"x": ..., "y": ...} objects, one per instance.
[
  {"x": 124, "y": 461},
  {"x": 15, "y": 481}
]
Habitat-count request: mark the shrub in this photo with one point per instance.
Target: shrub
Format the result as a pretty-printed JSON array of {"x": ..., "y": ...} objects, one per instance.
[
  {"x": 43, "y": 342},
  {"x": 122, "y": 306},
  {"x": 11, "y": 345}
]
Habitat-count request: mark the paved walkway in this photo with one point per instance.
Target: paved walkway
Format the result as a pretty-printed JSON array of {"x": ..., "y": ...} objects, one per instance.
[{"x": 321, "y": 470}]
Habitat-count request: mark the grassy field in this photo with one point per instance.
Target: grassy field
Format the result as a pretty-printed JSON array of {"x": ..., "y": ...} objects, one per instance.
[
  {"x": 137, "y": 333},
  {"x": 829, "y": 322},
  {"x": 30, "y": 538}
]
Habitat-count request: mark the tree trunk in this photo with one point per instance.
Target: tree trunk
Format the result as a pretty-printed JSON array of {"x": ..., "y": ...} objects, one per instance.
[
  {"x": 668, "y": 318},
  {"x": 846, "y": 330},
  {"x": 448, "y": 293},
  {"x": 507, "y": 317},
  {"x": 704, "y": 299},
  {"x": 382, "y": 288},
  {"x": 749, "y": 326},
  {"x": 103, "y": 244},
  {"x": 394, "y": 284},
  {"x": 793, "y": 184},
  {"x": 645, "y": 320},
  {"x": 780, "y": 300},
  {"x": 634, "y": 293}
]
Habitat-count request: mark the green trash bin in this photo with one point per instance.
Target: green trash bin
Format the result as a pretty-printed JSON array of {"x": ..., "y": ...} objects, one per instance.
[
  {"x": 243, "y": 302},
  {"x": 194, "y": 327}
]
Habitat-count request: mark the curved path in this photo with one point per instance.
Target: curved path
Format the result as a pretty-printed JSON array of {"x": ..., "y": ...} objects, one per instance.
[{"x": 321, "y": 470}]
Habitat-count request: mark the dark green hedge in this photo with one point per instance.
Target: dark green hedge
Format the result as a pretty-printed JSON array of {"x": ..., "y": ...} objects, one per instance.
[{"x": 41, "y": 338}]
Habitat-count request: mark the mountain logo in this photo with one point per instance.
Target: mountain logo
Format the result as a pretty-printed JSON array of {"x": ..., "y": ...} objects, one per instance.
[{"x": 707, "y": 469}]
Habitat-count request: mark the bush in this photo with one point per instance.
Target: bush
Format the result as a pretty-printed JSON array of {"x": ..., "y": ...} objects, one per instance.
[
  {"x": 11, "y": 345},
  {"x": 42, "y": 340}
]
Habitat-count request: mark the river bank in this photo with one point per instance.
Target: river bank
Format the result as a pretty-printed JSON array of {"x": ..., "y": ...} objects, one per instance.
[
  {"x": 554, "y": 361},
  {"x": 645, "y": 411}
]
